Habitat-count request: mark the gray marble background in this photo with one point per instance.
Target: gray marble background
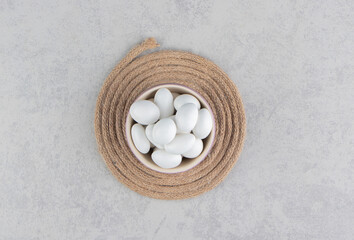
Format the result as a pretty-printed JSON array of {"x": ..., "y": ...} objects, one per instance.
[{"x": 293, "y": 62}]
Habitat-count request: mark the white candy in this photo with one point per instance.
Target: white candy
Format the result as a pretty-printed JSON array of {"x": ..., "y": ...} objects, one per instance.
[
  {"x": 196, "y": 150},
  {"x": 181, "y": 143},
  {"x": 204, "y": 124},
  {"x": 171, "y": 135},
  {"x": 139, "y": 138},
  {"x": 164, "y": 131},
  {"x": 184, "y": 99},
  {"x": 144, "y": 112},
  {"x": 173, "y": 117},
  {"x": 148, "y": 133},
  {"x": 165, "y": 159},
  {"x": 186, "y": 117},
  {"x": 164, "y": 100}
]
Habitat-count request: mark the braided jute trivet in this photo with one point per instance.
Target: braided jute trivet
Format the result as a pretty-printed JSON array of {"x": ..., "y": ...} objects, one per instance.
[{"x": 132, "y": 76}]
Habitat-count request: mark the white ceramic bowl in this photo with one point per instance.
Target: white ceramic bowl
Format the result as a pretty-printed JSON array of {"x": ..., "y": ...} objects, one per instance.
[{"x": 187, "y": 163}]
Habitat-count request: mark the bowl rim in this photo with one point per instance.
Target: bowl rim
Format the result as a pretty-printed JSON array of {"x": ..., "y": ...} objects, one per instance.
[{"x": 204, "y": 153}]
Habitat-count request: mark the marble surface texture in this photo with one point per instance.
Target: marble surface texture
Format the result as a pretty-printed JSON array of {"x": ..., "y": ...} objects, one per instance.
[{"x": 292, "y": 61}]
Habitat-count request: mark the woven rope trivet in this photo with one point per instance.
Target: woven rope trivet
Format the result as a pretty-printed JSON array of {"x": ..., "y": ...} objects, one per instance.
[{"x": 134, "y": 75}]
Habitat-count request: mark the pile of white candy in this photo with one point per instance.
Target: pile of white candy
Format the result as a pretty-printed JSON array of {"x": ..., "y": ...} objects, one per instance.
[{"x": 171, "y": 136}]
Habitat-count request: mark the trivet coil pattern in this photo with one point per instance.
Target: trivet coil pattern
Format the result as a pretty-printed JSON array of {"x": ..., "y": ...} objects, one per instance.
[{"x": 132, "y": 76}]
